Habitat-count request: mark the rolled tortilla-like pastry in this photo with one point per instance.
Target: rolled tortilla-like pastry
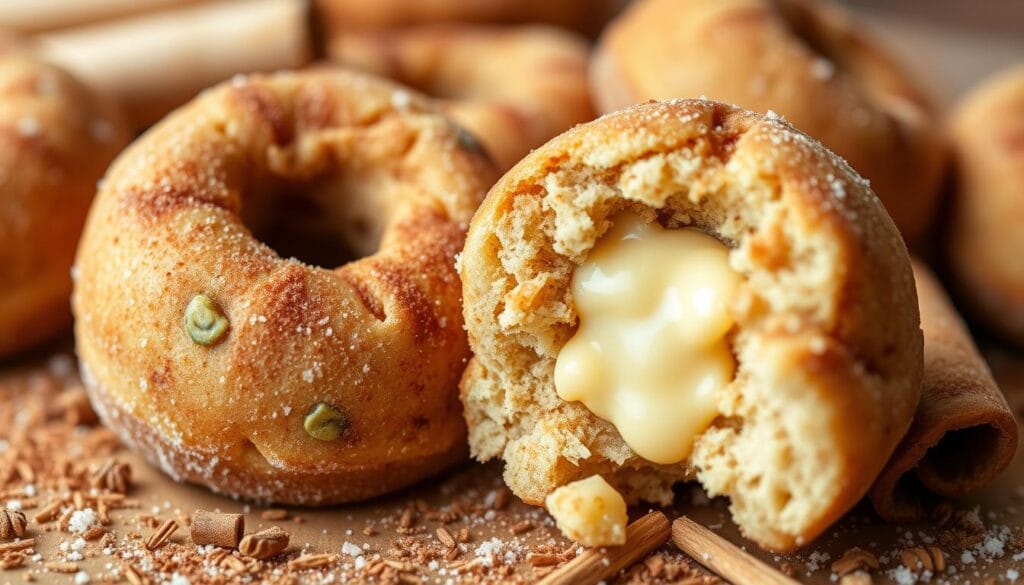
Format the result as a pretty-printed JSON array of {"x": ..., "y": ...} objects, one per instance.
[
  {"x": 963, "y": 434},
  {"x": 156, "y": 62},
  {"x": 33, "y": 17}
]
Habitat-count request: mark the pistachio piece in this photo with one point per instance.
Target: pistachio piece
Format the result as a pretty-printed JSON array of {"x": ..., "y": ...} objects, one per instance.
[
  {"x": 325, "y": 422},
  {"x": 204, "y": 321}
]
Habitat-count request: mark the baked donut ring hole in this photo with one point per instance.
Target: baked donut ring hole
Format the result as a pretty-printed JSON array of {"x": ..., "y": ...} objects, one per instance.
[{"x": 326, "y": 223}]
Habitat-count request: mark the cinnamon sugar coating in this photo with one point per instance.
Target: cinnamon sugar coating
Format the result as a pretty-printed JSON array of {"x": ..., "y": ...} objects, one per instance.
[{"x": 327, "y": 159}]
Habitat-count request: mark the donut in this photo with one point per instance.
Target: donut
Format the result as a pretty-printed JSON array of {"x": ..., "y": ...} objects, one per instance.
[
  {"x": 983, "y": 228},
  {"x": 266, "y": 301},
  {"x": 586, "y": 16},
  {"x": 539, "y": 90},
  {"x": 805, "y": 60},
  {"x": 56, "y": 139},
  {"x": 685, "y": 290}
]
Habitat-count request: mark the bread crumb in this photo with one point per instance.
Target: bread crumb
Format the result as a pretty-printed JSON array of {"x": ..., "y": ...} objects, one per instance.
[{"x": 590, "y": 512}]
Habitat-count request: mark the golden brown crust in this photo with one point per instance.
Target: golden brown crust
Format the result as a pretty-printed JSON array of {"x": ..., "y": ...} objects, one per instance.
[
  {"x": 513, "y": 87},
  {"x": 56, "y": 139},
  {"x": 315, "y": 154},
  {"x": 822, "y": 394},
  {"x": 806, "y": 60},
  {"x": 586, "y": 16},
  {"x": 984, "y": 243}
]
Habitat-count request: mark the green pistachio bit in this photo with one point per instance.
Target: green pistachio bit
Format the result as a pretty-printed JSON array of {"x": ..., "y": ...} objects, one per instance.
[
  {"x": 204, "y": 321},
  {"x": 325, "y": 422}
]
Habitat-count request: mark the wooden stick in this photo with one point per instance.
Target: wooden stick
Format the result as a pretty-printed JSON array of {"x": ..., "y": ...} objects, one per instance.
[
  {"x": 723, "y": 557},
  {"x": 600, "y": 564}
]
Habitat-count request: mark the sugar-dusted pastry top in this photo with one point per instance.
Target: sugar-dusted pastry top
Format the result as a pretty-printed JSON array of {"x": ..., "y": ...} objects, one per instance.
[
  {"x": 820, "y": 394},
  {"x": 234, "y": 364}
]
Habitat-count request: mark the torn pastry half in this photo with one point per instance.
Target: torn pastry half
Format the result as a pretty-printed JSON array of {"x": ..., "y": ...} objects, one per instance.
[{"x": 683, "y": 291}]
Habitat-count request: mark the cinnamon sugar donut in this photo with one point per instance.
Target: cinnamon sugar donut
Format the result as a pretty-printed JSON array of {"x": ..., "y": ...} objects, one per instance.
[
  {"x": 513, "y": 87},
  {"x": 56, "y": 139},
  {"x": 587, "y": 16},
  {"x": 985, "y": 235},
  {"x": 819, "y": 394},
  {"x": 805, "y": 59},
  {"x": 262, "y": 376}
]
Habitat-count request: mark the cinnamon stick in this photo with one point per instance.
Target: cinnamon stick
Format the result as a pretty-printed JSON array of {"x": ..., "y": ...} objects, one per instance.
[
  {"x": 723, "y": 557},
  {"x": 600, "y": 564},
  {"x": 963, "y": 434},
  {"x": 223, "y": 530}
]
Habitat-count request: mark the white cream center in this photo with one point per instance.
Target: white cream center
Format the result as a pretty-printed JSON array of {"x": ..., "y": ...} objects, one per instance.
[{"x": 651, "y": 352}]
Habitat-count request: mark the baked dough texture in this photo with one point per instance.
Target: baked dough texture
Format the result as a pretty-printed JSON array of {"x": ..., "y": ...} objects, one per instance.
[
  {"x": 808, "y": 61},
  {"x": 56, "y": 139},
  {"x": 329, "y": 159},
  {"x": 827, "y": 337},
  {"x": 514, "y": 87},
  {"x": 985, "y": 235}
]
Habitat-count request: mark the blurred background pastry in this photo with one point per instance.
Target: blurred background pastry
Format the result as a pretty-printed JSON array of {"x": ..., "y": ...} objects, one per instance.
[
  {"x": 984, "y": 236},
  {"x": 807, "y": 61},
  {"x": 514, "y": 87},
  {"x": 57, "y": 137}
]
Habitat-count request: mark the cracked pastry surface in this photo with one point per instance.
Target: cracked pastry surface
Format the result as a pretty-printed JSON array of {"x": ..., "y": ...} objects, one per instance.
[
  {"x": 821, "y": 393},
  {"x": 262, "y": 376}
]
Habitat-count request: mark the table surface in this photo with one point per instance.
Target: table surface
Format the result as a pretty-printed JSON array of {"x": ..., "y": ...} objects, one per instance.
[{"x": 952, "y": 47}]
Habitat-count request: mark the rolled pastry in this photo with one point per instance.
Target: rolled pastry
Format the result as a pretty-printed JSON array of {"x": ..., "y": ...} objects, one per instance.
[
  {"x": 963, "y": 434},
  {"x": 157, "y": 62},
  {"x": 46, "y": 15}
]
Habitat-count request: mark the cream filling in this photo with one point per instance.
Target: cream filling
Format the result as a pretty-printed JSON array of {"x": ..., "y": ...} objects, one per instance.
[{"x": 650, "y": 353}]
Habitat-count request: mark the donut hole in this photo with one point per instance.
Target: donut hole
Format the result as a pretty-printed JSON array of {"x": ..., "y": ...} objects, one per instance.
[{"x": 327, "y": 223}]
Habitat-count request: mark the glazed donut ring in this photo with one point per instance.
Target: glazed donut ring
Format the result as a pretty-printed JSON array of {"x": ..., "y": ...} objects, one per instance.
[
  {"x": 821, "y": 394},
  {"x": 586, "y": 16},
  {"x": 56, "y": 139},
  {"x": 984, "y": 224},
  {"x": 807, "y": 61},
  {"x": 513, "y": 87},
  {"x": 264, "y": 377}
]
